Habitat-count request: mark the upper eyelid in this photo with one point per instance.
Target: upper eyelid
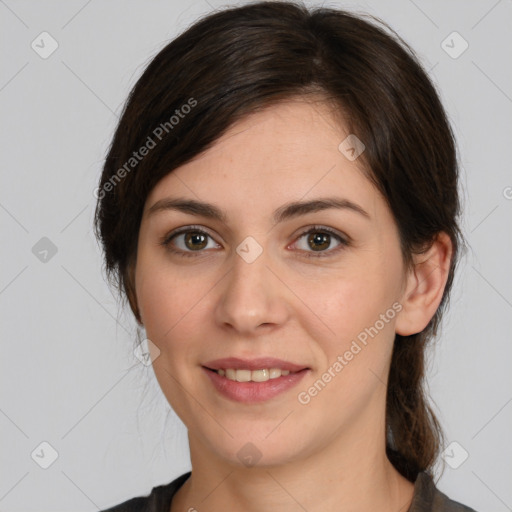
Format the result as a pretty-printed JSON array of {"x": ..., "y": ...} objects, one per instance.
[
  {"x": 180, "y": 231},
  {"x": 342, "y": 238},
  {"x": 186, "y": 229}
]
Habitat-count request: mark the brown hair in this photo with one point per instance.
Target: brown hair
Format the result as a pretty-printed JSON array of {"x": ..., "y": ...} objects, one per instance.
[{"x": 239, "y": 60}]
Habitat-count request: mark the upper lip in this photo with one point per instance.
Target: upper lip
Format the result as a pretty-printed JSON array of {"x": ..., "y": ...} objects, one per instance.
[{"x": 258, "y": 363}]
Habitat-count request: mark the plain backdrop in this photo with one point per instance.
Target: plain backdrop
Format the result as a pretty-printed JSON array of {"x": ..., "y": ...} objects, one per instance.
[{"x": 73, "y": 396}]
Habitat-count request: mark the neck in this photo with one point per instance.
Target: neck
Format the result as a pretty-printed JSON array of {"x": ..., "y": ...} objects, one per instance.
[{"x": 350, "y": 473}]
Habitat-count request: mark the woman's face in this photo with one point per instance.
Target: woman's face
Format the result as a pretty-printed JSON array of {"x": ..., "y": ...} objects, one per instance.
[{"x": 254, "y": 284}]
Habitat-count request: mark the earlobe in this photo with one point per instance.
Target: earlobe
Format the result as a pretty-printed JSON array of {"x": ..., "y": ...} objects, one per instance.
[{"x": 425, "y": 285}]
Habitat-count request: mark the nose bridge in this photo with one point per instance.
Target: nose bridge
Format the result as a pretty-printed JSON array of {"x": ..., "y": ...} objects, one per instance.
[{"x": 251, "y": 295}]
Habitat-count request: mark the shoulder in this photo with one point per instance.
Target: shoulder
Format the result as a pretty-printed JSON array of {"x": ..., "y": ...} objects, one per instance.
[
  {"x": 159, "y": 499},
  {"x": 428, "y": 498}
]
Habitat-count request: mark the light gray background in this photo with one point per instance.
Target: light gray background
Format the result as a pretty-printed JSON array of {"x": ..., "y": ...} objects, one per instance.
[{"x": 68, "y": 374}]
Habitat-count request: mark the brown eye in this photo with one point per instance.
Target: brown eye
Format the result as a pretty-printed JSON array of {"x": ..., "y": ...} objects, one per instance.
[
  {"x": 188, "y": 241},
  {"x": 319, "y": 241},
  {"x": 195, "y": 240}
]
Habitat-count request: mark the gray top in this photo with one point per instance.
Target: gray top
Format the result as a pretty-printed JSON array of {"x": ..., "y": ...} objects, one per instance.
[{"x": 426, "y": 498}]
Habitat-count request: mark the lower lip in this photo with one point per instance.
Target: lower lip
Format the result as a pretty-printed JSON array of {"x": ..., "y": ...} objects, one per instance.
[{"x": 252, "y": 392}]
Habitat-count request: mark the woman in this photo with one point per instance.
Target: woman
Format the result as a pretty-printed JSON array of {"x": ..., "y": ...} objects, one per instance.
[{"x": 279, "y": 206}]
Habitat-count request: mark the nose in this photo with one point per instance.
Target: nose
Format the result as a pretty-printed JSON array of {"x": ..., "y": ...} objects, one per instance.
[{"x": 252, "y": 297}]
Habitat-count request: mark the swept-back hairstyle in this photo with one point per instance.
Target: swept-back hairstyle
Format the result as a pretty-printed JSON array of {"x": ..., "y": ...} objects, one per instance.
[{"x": 242, "y": 59}]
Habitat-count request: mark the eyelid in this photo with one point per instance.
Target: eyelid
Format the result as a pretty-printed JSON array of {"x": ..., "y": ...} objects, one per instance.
[
  {"x": 165, "y": 240},
  {"x": 343, "y": 239},
  {"x": 325, "y": 229}
]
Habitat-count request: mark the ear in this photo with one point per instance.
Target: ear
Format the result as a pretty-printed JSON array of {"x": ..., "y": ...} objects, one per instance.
[
  {"x": 424, "y": 287},
  {"x": 130, "y": 291}
]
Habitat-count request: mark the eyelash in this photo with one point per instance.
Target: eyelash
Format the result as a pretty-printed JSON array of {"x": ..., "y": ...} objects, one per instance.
[{"x": 166, "y": 241}]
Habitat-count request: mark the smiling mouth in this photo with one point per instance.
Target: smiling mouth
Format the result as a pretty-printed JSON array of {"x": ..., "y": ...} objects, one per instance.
[
  {"x": 242, "y": 375},
  {"x": 247, "y": 386}
]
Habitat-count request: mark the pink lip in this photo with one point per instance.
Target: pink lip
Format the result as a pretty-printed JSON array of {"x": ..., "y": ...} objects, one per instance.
[
  {"x": 253, "y": 364},
  {"x": 252, "y": 392}
]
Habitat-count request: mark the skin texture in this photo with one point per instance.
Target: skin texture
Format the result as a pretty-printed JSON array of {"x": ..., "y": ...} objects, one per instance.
[{"x": 328, "y": 454}]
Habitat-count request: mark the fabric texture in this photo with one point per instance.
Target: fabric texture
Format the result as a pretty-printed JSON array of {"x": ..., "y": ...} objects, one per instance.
[{"x": 426, "y": 498}]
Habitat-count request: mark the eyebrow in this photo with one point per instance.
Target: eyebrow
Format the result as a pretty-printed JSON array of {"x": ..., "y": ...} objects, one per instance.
[{"x": 285, "y": 212}]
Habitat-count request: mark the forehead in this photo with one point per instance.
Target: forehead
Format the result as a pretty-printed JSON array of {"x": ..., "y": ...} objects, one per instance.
[
  {"x": 286, "y": 152},
  {"x": 288, "y": 133}
]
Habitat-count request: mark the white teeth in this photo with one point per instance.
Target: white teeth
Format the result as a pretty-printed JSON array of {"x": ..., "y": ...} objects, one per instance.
[
  {"x": 260, "y": 375},
  {"x": 243, "y": 375},
  {"x": 274, "y": 373},
  {"x": 254, "y": 375}
]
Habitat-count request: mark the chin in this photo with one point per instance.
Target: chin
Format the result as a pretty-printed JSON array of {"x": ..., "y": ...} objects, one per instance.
[{"x": 251, "y": 450}]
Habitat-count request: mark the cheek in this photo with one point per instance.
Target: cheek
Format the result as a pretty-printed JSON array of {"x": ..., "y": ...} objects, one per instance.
[
  {"x": 356, "y": 355},
  {"x": 358, "y": 309},
  {"x": 174, "y": 306},
  {"x": 352, "y": 302},
  {"x": 162, "y": 299}
]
